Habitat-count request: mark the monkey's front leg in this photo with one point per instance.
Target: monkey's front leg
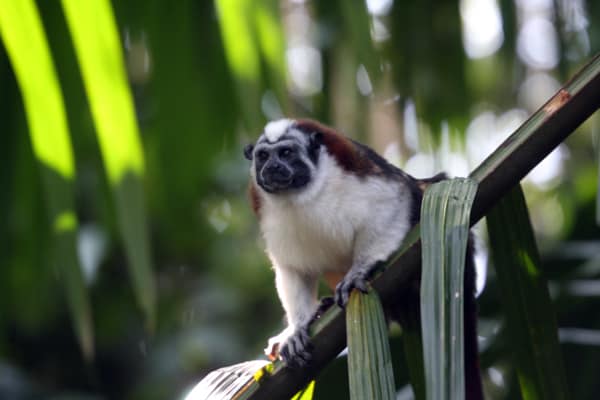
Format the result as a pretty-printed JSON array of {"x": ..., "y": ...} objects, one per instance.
[
  {"x": 298, "y": 294},
  {"x": 369, "y": 251}
]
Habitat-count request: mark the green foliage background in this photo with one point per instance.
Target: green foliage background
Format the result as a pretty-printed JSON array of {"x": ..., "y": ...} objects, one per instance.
[{"x": 205, "y": 76}]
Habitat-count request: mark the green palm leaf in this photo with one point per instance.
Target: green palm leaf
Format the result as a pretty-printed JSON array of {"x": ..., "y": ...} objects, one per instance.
[
  {"x": 22, "y": 32},
  {"x": 370, "y": 371},
  {"x": 444, "y": 234},
  {"x": 110, "y": 99},
  {"x": 531, "y": 322}
]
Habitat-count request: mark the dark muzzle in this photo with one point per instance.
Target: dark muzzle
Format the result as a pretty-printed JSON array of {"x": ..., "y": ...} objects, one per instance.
[{"x": 275, "y": 176}]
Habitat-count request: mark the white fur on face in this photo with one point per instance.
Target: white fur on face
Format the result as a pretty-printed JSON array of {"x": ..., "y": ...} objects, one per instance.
[{"x": 275, "y": 129}]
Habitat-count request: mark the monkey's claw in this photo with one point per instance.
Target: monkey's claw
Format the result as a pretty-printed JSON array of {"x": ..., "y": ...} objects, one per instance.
[
  {"x": 296, "y": 351},
  {"x": 352, "y": 280}
]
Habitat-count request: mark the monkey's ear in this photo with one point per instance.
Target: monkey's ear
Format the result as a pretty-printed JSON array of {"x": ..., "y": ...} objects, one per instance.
[
  {"x": 316, "y": 139},
  {"x": 248, "y": 151}
]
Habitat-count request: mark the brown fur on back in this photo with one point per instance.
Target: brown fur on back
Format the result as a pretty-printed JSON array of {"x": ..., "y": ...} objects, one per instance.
[{"x": 345, "y": 152}]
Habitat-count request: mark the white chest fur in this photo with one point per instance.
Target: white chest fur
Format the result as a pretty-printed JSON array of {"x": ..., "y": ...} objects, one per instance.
[{"x": 312, "y": 240}]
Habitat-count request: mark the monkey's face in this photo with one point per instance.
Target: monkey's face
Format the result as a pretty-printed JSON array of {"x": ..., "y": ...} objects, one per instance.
[
  {"x": 283, "y": 161},
  {"x": 280, "y": 167}
]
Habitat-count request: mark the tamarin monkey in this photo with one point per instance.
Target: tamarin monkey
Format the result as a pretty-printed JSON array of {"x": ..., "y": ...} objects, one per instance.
[{"x": 329, "y": 206}]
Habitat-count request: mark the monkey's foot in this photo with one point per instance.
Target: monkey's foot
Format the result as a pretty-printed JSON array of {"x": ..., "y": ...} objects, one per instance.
[
  {"x": 352, "y": 280},
  {"x": 296, "y": 351},
  {"x": 292, "y": 346}
]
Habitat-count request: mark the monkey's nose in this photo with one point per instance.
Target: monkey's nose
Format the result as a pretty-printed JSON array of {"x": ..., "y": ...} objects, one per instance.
[
  {"x": 278, "y": 172},
  {"x": 274, "y": 167}
]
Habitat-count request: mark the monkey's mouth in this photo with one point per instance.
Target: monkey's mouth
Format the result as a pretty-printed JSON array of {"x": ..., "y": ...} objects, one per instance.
[{"x": 276, "y": 185}]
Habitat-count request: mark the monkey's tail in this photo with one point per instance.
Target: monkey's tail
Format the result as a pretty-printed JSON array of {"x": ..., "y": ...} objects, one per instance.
[{"x": 473, "y": 385}]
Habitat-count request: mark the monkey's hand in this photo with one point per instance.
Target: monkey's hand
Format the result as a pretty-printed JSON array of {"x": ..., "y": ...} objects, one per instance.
[{"x": 354, "y": 279}]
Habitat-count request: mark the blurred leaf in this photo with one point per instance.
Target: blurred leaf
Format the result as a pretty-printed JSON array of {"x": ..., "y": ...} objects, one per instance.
[
  {"x": 271, "y": 39},
  {"x": 370, "y": 371},
  {"x": 444, "y": 233},
  {"x": 116, "y": 127},
  {"x": 189, "y": 114},
  {"x": 243, "y": 53},
  {"x": 239, "y": 38},
  {"x": 597, "y": 137},
  {"x": 25, "y": 40},
  {"x": 336, "y": 371},
  {"x": 21, "y": 30},
  {"x": 225, "y": 383},
  {"x": 426, "y": 54},
  {"x": 413, "y": 349},
  {"x": 530, "y": 315},
  {"x": 358, "y": 23}
]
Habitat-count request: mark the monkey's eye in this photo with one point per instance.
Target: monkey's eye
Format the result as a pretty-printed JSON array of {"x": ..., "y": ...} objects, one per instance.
[
  {"x": 286, "y": 152},
  {"x": 262, "y": 155}
]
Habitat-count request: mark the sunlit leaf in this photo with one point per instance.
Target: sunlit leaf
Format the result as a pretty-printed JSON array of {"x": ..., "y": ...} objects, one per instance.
[
  {"x": 445, "y": 217},
  {"x": 253, "y": 35},
  {"x": 225, "y": 383},
  {"x": 243, "y": 53},
  {"x": 92, "y": 22},
  {"x": 306, "y": 393},
  {"x": 239, "y": 38},
  {"x": 271, "y": 39},
  {"x": 28, "y": 50},
  {"x": 530, "y": 317},
  {"x": 370, "y": 370},
  {"x": 25, "y": 41}
]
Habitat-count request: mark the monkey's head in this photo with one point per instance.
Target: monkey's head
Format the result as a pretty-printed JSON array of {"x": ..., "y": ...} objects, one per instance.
[{"x": 285, "y": 156}]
